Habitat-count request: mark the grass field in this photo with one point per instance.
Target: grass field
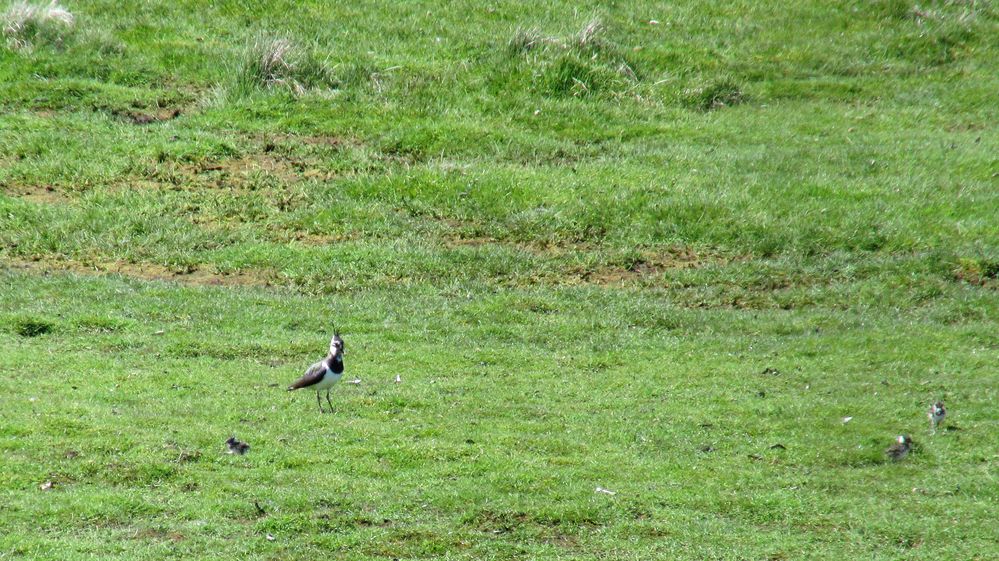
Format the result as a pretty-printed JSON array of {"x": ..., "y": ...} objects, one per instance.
[{"x": 656, "y": 249}]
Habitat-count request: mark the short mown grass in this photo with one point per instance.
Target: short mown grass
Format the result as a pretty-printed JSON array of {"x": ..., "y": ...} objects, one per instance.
[{"x": 662, "y": 250}]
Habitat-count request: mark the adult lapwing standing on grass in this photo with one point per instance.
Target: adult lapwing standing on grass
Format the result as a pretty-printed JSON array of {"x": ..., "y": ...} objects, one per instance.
[
  {"x": 901, "y": 448},
  {"x": 936, "y": 415},
  {"x": 323, "y": 374}
]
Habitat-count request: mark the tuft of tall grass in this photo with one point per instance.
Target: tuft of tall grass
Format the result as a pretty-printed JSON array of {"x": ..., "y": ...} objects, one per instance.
[
  {"x": 278, "y": 62},
  {"x": 26, "y": 25},
  {"x": 525, "y": 40},
  {"x": 589, "y": 36},
  {"x": 578, "y": 65}
]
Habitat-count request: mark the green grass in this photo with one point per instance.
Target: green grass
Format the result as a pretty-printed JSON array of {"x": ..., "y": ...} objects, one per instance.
[{"x": 628, "y": 247}]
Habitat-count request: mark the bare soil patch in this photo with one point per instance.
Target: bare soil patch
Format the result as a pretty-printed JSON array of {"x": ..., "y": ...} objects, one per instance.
[
  {"x": 147, "y": 117},
  {"x": 196, "y": 276},
  {"x": 651, "y": 264},
  {"x": 44, "y": 194},
  {"x": 282, "y": 167}
]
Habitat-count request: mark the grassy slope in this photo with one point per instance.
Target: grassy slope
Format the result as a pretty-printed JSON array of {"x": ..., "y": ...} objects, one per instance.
[
  {"x": 514, "y": 407},
  {"x": 574, "y": 267}
]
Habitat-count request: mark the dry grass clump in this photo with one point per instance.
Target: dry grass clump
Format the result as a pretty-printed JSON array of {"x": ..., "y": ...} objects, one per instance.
[
  {"x": 525, "y": 40},
  {"x": 278, "y": 62},
  {"x": 579, "y": 64},
  {"x": 528, "y": 39},
  {"x": 589, "y": 36},
  {"x": 26, "y": 25}
]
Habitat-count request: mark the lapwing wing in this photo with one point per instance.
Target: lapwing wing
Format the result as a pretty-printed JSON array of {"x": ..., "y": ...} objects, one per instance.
[{"x": 323, "y": 374}]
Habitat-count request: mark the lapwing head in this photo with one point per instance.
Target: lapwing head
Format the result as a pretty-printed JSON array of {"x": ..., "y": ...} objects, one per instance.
[
  {"x": 938, "y": 408},
  {"x": 336, "y": 344}
]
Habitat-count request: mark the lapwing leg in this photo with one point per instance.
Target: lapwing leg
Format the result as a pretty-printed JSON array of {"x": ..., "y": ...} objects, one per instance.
[
  {"x": 319, "y": 403},
  {"x": 328, "y": 400}
]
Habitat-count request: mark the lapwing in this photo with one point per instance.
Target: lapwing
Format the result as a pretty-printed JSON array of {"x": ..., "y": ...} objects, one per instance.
[
  {"x": 936, "y": 415},
  {"x": 236, "y": 447},
  {"x": 900, "y": 449},
  {"x": 323, "y": 374}
]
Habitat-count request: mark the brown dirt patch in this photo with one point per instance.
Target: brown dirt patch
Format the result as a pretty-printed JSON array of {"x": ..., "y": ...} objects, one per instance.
[
  {"x": 44, "y": 194},
  {"x": 650, "y": 265},
  {"x": 149, "y": 271},
  {"x": 238, "y": 174},
  {"x": 284, "y": 168},
  {"x": 137, "y": 117},
  {"x": 320, "y": 140},
  {"x": 244, "y": 165}
]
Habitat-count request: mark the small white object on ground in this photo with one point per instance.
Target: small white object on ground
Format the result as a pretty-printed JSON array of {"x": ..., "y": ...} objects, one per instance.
[
  {"x": 605, "y": 491},
  {"x": 847, "y": 420}
]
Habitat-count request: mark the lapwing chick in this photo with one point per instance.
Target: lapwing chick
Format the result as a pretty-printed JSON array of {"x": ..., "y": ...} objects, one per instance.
[
  {"x": 236, "y": 447},
  {"x": 936, "y": 415},
  {"x": 323, "y": 374},
  {"x": 901, "y": 448}
]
